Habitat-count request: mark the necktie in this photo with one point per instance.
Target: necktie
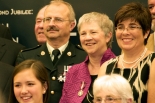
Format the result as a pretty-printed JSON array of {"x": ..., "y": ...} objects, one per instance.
[{"x": 56, "y": 53}]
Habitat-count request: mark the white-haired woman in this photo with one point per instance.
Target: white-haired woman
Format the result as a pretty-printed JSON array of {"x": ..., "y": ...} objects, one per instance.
[{"x": 112, "y": 89}]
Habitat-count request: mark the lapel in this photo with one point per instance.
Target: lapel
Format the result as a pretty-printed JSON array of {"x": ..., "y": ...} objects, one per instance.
[
  {"x": 66, "y": 60},
  {"x": 2, "y": 49},
  {"x": 81, "y": 73},
  {"x": 44, "y": 56}
]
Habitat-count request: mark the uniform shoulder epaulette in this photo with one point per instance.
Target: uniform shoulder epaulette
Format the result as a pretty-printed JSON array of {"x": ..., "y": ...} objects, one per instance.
[
  {"x": 28, "y": 49},
  {"x": 79, "y": 47}
]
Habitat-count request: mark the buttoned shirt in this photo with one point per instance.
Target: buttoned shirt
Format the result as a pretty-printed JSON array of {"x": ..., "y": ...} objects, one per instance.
[{"x": 61, "y": 49}]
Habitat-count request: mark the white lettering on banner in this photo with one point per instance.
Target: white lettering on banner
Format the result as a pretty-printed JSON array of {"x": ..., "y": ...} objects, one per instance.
[
  {"x": 21, "y": 12},
  {"x": 16, "y": 40},
  {"x": 16, "y": 12},
  {"x": 4, "y": 12},
  {"x": 7, "y": 24}
]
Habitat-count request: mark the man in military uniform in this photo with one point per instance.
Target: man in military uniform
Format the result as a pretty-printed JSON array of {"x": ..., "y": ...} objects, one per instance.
[{"x": 59, "y": 21}]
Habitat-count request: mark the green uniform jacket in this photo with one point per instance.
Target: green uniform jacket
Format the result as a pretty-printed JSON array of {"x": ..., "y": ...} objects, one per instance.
[{"x": 72, "y": 55}]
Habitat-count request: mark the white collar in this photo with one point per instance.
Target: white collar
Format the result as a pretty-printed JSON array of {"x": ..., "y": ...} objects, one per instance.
[{"x": 62, "y": 48}]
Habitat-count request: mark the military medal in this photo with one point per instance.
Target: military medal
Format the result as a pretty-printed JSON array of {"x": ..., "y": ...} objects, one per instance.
[
  {"x": 66, "y": 68},
  {"x": 80, "y": 93},
  {"x": 61, "y": 78}
]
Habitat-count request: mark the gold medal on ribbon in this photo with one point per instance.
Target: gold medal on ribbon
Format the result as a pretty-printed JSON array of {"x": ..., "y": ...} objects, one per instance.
[{"x": 80, "y": 93}]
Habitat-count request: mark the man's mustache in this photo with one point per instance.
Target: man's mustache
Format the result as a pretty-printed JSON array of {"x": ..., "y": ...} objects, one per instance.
[{"x": 53, "y": 28}]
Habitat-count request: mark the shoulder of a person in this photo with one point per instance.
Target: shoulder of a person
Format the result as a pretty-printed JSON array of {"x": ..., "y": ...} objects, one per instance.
[
  {"x": 31, "y": 49},
  {"x": 75, "y": 46},
  {"x": 77, "y": 66},
  {"x": 6, "y": 67},
  {"x": 103, "y": 69},
  {"x": 18, "y": 45},
  {"x": 106, "y": 63},
  {"x": 10, "y": 42},
  {"x": 79, "y": 47},
  {"x": 75, "y": 69},
  {"x": 3, "y": 27}
]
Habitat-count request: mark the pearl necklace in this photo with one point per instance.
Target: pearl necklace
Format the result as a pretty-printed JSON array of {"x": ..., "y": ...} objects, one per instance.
[
  {"x": 130, "y": 62},
  {"x": 142, "y": 55},
  {"x": 136, "y": 59}
]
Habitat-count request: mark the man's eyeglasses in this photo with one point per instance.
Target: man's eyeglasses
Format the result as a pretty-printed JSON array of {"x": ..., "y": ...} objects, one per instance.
[
  {"x": 129, "y": 28},
  {"x": 55, "y": 20},
  {"x": 106, "y": 100}
]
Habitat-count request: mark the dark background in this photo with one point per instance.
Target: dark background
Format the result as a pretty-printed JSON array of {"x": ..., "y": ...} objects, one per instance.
[{"x": 22, "y": 25}]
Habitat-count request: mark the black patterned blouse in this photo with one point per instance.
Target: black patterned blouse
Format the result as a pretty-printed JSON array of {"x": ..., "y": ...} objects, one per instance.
[{"x": 137, "y": 77}]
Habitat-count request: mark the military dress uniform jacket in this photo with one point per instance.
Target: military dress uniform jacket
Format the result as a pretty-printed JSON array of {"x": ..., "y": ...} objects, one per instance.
[
  {"x": 5, "y": 81},
  {"x": 72, "y": 55},
  {"x": 5, "y": 32},
  {"x": 9, "y": 51}
]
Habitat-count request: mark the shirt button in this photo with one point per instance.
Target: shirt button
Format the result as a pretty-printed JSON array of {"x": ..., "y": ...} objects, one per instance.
[
  {"x": 53, "y": 78},
  {"x": 52, "y": 92}
]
